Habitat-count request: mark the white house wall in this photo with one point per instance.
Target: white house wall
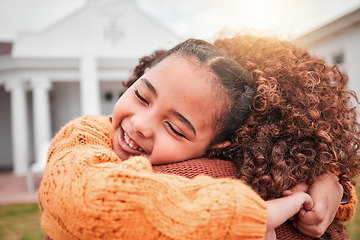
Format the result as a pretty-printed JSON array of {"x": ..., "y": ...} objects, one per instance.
[
  {"x": 48, "y": 72},
  {"x": 112, "y": 28},
  {"x": 65, "y": 103},
  {"x": 352, "y": 63},
  {"x": 110, "y": 93}
]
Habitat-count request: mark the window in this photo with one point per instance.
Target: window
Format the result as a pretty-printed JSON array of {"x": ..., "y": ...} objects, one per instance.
[
  {"x": 338, "y": 59},
  {"x": 108, "y": 96}
]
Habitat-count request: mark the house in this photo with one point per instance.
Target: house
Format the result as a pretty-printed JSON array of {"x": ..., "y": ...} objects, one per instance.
[
  {"x": 71, "y": 68},
  {"x": 77, "y": 67}
]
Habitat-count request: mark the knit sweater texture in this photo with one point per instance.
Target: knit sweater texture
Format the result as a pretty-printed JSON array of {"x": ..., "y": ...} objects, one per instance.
[
  {"x": 87, "y": 192},
  {"x": 221, "y": 168}
]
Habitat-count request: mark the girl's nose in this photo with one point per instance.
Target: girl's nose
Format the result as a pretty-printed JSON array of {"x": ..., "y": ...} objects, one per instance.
[{"x": 142, "y": 125}]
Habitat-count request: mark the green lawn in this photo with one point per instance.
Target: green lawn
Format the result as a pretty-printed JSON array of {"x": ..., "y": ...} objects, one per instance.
[
  {"x": 353, "y": 227},
  {"x": 22, "y": 222}
]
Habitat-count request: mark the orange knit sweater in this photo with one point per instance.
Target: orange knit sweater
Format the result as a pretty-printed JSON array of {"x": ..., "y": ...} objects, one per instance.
[{"x": 87, "y": 192}]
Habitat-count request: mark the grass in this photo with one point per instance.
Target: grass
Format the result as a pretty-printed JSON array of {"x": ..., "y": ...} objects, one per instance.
[
  {"x": 22, "y": 222},
  {"x": 353, "y": 226}
]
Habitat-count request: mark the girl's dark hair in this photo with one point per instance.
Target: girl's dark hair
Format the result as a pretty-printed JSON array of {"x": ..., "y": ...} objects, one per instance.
[{"x": 233, "y": 79}]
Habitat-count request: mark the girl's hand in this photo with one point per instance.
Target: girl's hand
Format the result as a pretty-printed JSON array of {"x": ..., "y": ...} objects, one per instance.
[
  {"x": 282, "y": 209},
  {"x": 326, "y": 193}
]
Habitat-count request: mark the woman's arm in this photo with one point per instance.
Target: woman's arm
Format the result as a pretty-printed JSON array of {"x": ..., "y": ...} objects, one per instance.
[
  {"x": 326, "y": 192},
  {"x": 87, "y": 192}
]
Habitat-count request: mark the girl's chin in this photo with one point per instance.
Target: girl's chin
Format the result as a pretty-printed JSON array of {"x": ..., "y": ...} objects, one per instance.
[{"x": 121, "y": 154}]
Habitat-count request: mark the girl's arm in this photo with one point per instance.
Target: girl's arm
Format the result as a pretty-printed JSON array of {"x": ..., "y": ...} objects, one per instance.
[{"x": 87, "y": 192}]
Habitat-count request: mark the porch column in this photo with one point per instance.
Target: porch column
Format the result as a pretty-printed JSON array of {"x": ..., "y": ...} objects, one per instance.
[
  {"x": 89, "y": 83},
  {"x": 19, "y": 126},
  {"x": 41, "y": 112}
]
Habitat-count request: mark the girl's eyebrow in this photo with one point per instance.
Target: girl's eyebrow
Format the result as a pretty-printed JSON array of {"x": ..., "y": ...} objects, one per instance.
[
  {"x": 184, "y": 120},
  {"x": 177, "y": 114},
  {"x": 149, "y": 85}
]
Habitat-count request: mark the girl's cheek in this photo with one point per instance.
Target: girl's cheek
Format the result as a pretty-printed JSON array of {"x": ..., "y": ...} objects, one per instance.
[{"x": 117, "y": 115}]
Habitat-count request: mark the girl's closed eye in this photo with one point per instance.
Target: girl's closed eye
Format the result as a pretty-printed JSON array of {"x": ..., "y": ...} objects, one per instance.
[
  {"x": 142, "y": 99},
  {"x": 171, "y": 127}
]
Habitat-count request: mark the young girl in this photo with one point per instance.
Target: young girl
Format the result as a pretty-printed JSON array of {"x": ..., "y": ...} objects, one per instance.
[
  {"x": 189, "y": 102},
  {"x": 173, "y": 105}
]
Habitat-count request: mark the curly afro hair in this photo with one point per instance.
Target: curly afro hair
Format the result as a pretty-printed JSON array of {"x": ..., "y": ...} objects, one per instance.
[{"x": 304, "y": 121}]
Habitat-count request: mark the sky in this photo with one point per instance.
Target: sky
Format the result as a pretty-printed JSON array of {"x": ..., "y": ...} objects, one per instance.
[{"x": 188, "y": 18}]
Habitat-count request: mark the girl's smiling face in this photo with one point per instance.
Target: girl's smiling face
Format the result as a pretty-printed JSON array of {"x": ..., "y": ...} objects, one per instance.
[{"x": 169, "y": 114}]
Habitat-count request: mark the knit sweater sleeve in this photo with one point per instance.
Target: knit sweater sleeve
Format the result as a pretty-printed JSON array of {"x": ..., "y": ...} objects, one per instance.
[
  {"x": 347, "y": 211},
  {"x": 87, "y": 192}
]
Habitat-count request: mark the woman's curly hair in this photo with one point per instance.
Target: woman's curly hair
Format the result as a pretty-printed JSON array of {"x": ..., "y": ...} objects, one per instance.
[{"x": 303, "y": 123}]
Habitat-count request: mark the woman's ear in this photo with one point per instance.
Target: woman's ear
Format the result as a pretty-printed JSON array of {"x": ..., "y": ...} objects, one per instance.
[
  {"x": 220, "y": 145},
  {"x": 146, "y": 69}
]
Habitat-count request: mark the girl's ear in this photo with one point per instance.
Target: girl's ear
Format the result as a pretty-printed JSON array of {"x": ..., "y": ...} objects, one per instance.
[
  {"x": 146, "y": 69},
  {"x": 220, "y": 145}
]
